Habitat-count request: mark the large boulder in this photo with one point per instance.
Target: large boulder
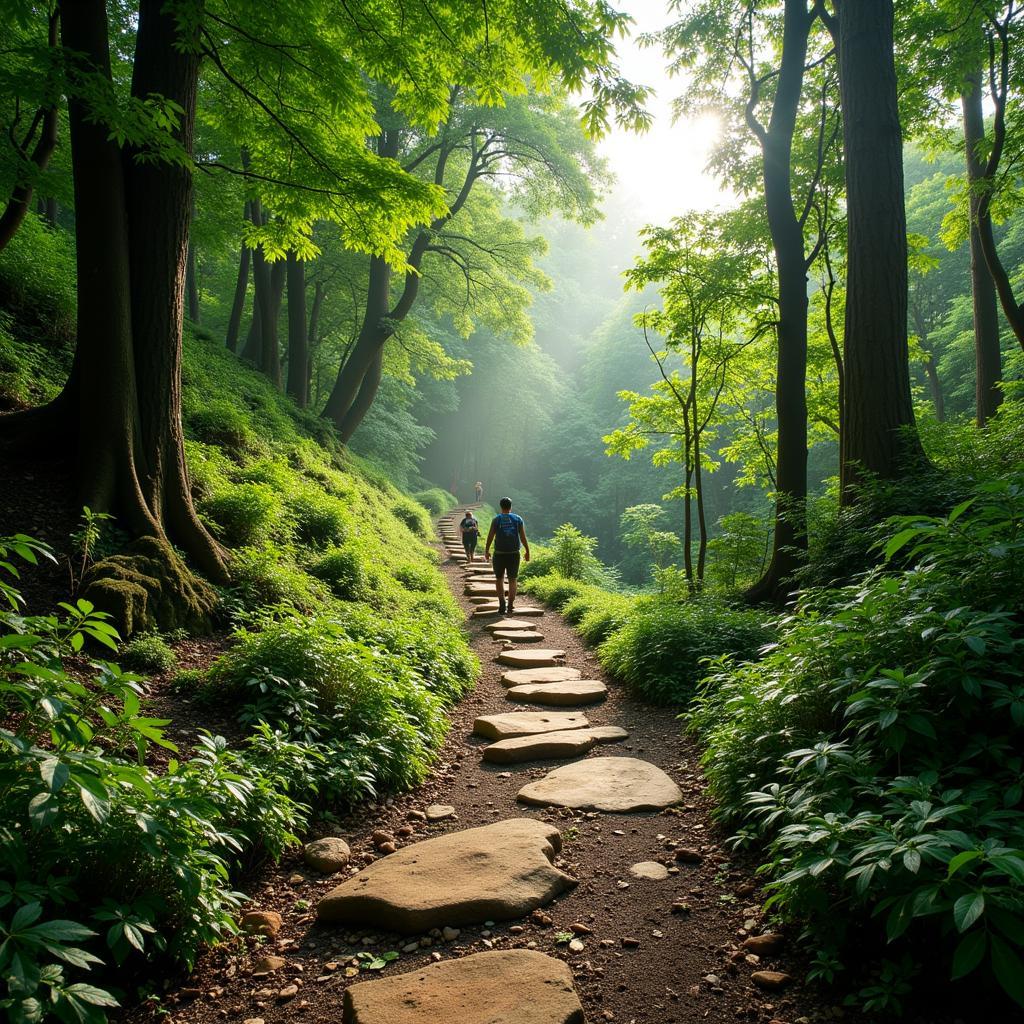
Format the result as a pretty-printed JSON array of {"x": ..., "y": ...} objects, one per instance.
[{"x": 492, "y": 873}]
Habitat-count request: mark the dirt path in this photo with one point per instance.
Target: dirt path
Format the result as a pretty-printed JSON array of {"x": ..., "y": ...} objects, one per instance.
[{"x": 686, "y": 965}]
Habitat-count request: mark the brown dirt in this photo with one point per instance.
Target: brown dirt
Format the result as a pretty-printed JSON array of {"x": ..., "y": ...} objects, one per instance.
[{"x": 686, "y": 967}]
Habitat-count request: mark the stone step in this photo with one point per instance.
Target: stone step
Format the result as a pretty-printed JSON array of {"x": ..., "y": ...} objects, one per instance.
[
  {"x": 536, "y": 658},
  {"x": 508, "y": 624},
  {"x": 490, "y": 607},
  {"x": 548, "y": 745},
  {"x": 493, "y": 873},
  {"x": 519, "y": 636},
  {"x": 506, "y": 986},
  {"x": 571, "y": 693},
  {"x": 618, "y": 785},
  {"x": 507, "y": 724},
  {"x": 548, "y": 674}
]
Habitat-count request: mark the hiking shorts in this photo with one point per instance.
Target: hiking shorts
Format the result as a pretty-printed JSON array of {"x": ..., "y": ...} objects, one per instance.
[
  {"x": 469, "y": 542},
  {"x": 506, "y": 563}
]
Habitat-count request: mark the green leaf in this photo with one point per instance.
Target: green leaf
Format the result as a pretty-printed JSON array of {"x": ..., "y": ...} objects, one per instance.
[
  {"x": 54, "y": 773},
  {"x": 1008, "y": 969},
  {"x": 960, "y": 860},
  {"x": 25, "y": 916},
  {"x": 969, "y": 952},
  {"x": 967, "y": 910},
  {"x": 93, "y": 995}
]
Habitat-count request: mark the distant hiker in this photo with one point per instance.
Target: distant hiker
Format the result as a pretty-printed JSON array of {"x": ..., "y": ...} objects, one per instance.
[
  {"x": 506, "y": 533},
  {"x": 478, "y": 490},
  {"x": 470, "y": 534}
]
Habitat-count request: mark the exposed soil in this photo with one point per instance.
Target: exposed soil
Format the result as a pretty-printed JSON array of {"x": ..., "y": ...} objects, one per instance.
[{"x": 686, "y": 967}]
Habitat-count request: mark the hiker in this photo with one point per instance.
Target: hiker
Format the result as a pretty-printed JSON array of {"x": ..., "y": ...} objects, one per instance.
[
  {"x": 470, "y": 534},
  {"x": 478, "y": 490},
  {"x": 506, "y": 533}
]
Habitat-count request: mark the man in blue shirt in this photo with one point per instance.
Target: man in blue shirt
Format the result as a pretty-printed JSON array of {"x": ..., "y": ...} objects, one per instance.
[{"x": 506, "y": 533}]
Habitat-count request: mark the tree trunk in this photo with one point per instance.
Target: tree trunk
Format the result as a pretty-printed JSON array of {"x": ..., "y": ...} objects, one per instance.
[
  {"x": 789, "y": 543},
  {"x": 987, "y": 356},
  {"x": 241, "y": 287},
  {"x": 192, "y": 284},
  {"x": 20, "y": 201},
  {"x": 879, "y": 438},
  {"x": 364, "y": 399},
  {"x": 159, "y": 203},
  {"x": 312, "y": 339},
  {"x": 373, "y": 333},
  {"x": 298, "y": 344},
  {"x": 270, "y": 316},
  {"x": 935, "y": 386}
]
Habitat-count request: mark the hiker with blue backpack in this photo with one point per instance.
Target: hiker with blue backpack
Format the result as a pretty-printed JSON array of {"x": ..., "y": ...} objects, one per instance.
[{"x": 506, "y": 534}]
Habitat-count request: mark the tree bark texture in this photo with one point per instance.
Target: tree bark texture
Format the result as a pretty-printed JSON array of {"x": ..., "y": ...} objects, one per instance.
[
  {"x": 789, "y": 544},
  {"x": 878, "y": 425},
  {"x": 238, "y": 301},
  {"x": 123, "y": 397},
  {"x": 987, "y": 356},
  {"x": 298, "y": 348}
]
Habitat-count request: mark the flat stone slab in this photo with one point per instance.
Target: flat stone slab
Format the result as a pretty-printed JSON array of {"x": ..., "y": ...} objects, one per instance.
[
  {"x": 649, "y": 869},
  {"x": 544, "y": 746},
  {"x": 565, "y": 694},
  {"x": 549, "y": 674},
  {"x": 536, "y": 658},
  {"x": 519, "y": 636},
  {"x": 438, "y": 812},
  {"x": 507, "y": 986},
  {"x": 509, "y": 624},
  {"x": 492, "y": 873},
  {"x": 527, "y": 723},
  {"x": 615, "y": 784},
  {"x": 489, "y": 606}
]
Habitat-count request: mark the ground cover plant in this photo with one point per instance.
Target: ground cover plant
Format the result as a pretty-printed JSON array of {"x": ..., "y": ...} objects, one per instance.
[{"x": 874, "y": 753}]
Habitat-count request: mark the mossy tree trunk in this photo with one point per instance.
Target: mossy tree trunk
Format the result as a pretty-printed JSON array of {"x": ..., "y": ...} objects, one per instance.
[{"x": 122, "y": 401}]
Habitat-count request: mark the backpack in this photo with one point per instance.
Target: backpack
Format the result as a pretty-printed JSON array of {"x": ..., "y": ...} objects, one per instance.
[{"x": 506, "y": 537}]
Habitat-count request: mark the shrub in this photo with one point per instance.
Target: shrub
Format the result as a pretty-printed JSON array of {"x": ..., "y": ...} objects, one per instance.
[
  {"x": 554, "y": 589},
  {"x": 148, "y": 652},
  {"x": 223, "y": 424},
  {"x": 875, "y": 749},
  {"x": 573, "y": 554},
  {"x": 435, "y": 499},
  {"x": 267, "y": 577},
  {"x": 661, "y": 649},
  {"x": 244, "y": 514},
  {"x": 310, "y": 680},
  {"x": 415, "y": 516},
  {"x": 421, "y": 578},
  {"x": 319, "y": 518},
  {"x": 597, "y": 613},
  {"x": 342, "y": 570}
]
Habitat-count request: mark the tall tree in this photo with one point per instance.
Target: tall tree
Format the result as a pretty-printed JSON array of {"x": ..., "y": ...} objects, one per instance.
[
  {"x": 534, "y": 145},
  {"x": 879, "y": 435}
]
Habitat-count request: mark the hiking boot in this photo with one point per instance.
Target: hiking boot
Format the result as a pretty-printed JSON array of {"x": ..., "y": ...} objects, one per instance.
[
  {"x": 501, "y": 607},
  {"x": 511, "y": 610}
]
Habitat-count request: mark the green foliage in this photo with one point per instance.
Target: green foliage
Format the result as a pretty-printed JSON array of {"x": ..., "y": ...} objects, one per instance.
[
  {"x": 318, "y": 519},
  {"x": 662, "y": 649},
  {"x": 597, "y": 613},
  {"x": 244, "y": 514},
  {"x": 148, "y": 652},
  {"x": 265, "y": 577},
  {"x": 572, "y": 554},
  {"x": 553, "y": 589},
  {"x": 223, "y": 424},
  {"x": 414, "y": 515},
  {"x": 342, "y": 570},
  {"x": 436, "y": 500},
  {"x": 311, "y": 679},
  {"x": 875, "y": 749},
  {"x": 84, "y": 816}
]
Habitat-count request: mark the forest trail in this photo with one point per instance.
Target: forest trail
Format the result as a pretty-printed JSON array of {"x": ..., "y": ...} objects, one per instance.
[{"x": 646, "y": 910}]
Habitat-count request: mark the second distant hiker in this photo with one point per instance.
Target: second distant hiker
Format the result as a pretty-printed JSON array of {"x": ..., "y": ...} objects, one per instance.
[
  {"x": 507, "y": 533},
  {"x": 470, "y": 534}
]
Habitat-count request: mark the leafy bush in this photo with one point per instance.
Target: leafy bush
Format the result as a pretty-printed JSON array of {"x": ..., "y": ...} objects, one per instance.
[
  {"x": 310, "y": 680},
  {"x": 266, "y": 576},
  {"x": 148, "y": 652},
  {"x": 82, "y": 816},
  {"x": 573, "y": 554},
  {"x": 876, "y": 749},
  {"x": 435, "y": 499},
  {"x": 342, "y": 570},
  {"x": 223, "y": 424},
  {"x": 554, "y": 589},
  {"x": 415, "y": 516},
  {"x": 660, "y": 651},
  {"x": 319, "y": 519},
  {"x": 421, "y": 578},
  {"x": 597, "y": 613},
  {"x": 244, "y": 514}
]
